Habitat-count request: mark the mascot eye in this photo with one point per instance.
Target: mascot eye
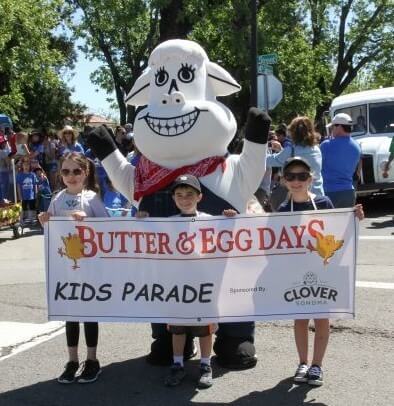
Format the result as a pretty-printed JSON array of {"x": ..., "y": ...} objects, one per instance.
[
  {"x": 161, "y": 77},
  {"x": 186, "y": 73}
]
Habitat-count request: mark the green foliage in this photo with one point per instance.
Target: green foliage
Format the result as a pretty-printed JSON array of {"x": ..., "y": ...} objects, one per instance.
[
  {"x": 31, "y": 55},
  {"x": 323, "y": 45}
]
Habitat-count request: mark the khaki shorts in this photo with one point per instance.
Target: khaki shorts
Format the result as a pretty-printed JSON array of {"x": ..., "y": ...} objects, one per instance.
[{"x": 196, "y": 331}]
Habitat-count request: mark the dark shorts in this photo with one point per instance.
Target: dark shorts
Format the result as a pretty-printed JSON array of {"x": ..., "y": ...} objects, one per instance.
[{"x": 196, "y": 331}]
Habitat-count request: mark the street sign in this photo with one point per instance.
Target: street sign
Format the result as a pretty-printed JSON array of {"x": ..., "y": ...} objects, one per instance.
[
  {"x": 267, "y": 59},
  {"x": 265, "y": 69},
  {"x": 269, "y": 92}
]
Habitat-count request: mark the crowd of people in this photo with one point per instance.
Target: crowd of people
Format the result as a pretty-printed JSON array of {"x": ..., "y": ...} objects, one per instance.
[
  {"x": 335, "y": 161},
  {"x": 37, "y": 156}
]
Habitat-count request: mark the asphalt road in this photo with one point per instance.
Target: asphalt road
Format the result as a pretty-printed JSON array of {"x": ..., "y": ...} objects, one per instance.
[{"x": 359, "y": 365}]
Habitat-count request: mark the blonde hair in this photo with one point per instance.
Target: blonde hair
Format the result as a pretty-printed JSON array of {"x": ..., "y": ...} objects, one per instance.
[{"x": 69, "y": 129}]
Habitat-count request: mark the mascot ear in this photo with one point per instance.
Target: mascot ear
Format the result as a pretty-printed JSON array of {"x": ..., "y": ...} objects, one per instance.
[
  {"x": 222, "y": 82},
  {"x": 139, "y": 94}
]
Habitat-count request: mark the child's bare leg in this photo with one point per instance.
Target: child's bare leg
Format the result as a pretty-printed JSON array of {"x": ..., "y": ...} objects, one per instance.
[
  {"x": 206, "y": 349},
  {"x": 178, "y": 344},
  {"x": 301, "y": 339},
  {"x": 322, "y": 333}
]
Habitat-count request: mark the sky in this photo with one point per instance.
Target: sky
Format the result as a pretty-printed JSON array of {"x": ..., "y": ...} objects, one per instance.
[{"x": 85, "y": 91}]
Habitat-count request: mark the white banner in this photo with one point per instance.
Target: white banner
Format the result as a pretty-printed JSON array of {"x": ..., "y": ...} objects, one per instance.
[{"x": 212, "y": 269}]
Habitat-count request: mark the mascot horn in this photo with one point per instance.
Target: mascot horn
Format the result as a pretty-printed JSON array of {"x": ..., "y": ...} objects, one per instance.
[{"x": 181, "y": 129}]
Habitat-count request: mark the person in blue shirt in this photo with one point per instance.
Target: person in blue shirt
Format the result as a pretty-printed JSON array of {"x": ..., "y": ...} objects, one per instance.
[
  {"x": 340, "y": 160},
  {"x": 68, "y": 138},
  {"x": 44, "y": 192},
  {"x": 115, "y": 203},
  {"x": 27, "y": 186},
  {"x": 281, "y": 134}
]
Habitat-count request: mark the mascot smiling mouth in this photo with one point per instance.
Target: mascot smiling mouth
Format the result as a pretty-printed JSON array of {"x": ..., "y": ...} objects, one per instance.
[{"x": 172, "y": 126}]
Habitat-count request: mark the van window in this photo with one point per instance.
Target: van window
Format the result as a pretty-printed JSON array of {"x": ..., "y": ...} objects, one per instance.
[
  {"x": 381, "y": 118},
  {"x": 359, "y": 117}
]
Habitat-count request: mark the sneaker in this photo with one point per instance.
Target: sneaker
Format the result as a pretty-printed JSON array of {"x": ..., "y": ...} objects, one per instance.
[
  {"x": 205, "y": 380},
  {"x": 177, "y": 373},
  {"x": 89, "y": 372},
  {"x": 70, "y": 369},
  {"x": 315, "y": 376},
  {"x": 301, "y": 374}
]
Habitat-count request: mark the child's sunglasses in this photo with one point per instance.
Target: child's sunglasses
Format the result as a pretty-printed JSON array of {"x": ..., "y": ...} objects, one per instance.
[
  {"x": 292, "y": 176},
  {"x": 75, "y": 172}
]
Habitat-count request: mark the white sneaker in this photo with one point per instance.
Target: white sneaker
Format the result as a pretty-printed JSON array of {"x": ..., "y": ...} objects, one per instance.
[{"x": 301, "y": 374}]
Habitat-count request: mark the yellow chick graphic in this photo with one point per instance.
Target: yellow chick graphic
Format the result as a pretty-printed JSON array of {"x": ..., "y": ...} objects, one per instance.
[
  {"x": 74, "y": 248},
  {"x": 326, "y": 245}
]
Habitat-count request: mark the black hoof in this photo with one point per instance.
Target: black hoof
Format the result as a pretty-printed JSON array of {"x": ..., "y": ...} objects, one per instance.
[{"x": 235, "y": 353}]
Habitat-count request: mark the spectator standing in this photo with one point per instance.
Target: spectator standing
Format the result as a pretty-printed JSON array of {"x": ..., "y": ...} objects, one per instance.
[
  {"x": 27, "y": 187},
  {"x": 68, "y": 139},
  {"x": 387, "y": 165},
  {"x": 51, "y": 148},
  {"x": 22, "y": 149},
  {"x": 4, "y": 167},
  {"x": 44, "y": 192},
  {"x": 305, "y": 145},
  {"x": 340, "y": 158},
  {"x": 37, "y": 150},
  {"x": 121, "y": 140},
  {"x": 281, "y": 135}
]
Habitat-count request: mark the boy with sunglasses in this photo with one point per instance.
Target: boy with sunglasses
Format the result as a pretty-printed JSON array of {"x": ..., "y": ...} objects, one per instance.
[{"x": 297, "y": 174}]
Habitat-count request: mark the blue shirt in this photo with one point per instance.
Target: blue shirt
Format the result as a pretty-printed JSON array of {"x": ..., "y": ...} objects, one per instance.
[
  {"x": 27, "y": 183},
  {"x": 113, "y": 201},
  {"x": 340, "y": 159},
  {"x": 77, "y": 147},
  {"x": 43, "y": 186}
]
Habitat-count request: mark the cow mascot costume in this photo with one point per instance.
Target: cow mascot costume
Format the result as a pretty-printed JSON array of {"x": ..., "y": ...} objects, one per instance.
[{"x": 181, "y": 128}]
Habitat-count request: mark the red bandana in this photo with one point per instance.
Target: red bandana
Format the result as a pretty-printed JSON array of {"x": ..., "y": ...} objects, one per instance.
[{"x": 150, "y": 177}]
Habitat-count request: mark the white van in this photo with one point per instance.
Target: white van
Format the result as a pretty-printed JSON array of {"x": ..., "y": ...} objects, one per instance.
[{"x": 372, "y": 112}]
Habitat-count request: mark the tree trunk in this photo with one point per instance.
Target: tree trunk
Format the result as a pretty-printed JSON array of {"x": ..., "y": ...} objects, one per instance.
[{"x": 173, "y": 22}]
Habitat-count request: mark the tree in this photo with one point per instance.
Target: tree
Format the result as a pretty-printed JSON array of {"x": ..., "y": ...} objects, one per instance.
[
  {"x": 351, "y": 36},
  {"x": 30, "y": 53},
  {"x": 322, "y": 44}
]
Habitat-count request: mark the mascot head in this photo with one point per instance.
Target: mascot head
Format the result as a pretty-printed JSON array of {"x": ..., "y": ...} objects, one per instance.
[{"x": 182, "y": 122}]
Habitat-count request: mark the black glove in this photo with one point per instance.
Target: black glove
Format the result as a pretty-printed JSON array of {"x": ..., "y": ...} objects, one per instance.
[
  {"x": 101, "y": 143},
  {"x": 257, "y": 126}
]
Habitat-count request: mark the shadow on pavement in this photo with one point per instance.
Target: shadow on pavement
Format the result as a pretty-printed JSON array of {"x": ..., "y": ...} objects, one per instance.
[
  {"x": 375, "y": 225},
  {"x": 285, "y": 393},
  {"x": 134, "y": 383}
]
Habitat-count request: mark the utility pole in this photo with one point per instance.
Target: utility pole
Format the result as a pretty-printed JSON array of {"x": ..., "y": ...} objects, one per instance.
[{"x": 253, "y": 53}]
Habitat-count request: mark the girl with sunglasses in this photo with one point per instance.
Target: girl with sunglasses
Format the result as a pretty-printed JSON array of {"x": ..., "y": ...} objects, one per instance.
[
  {"x": 297, "y": 175},
  {"x": 79, "y": 199}
]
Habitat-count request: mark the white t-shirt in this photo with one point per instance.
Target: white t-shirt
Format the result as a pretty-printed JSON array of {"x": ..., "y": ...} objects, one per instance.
[{"x": 64, "y": 204}]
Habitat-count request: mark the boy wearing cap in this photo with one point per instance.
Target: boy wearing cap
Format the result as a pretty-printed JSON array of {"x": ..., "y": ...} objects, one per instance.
[
  {"x": 340, "y": 159},
  {"x": 186, "y": 193}
]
